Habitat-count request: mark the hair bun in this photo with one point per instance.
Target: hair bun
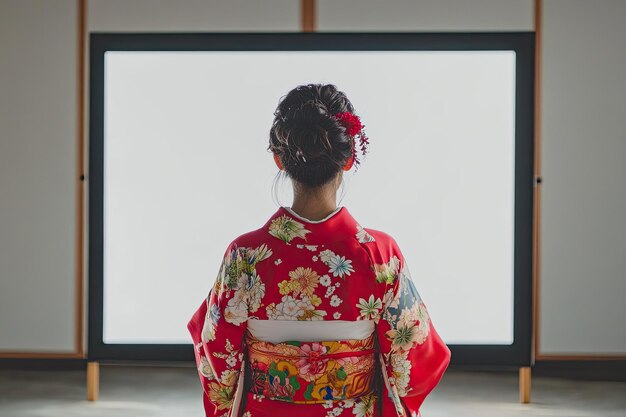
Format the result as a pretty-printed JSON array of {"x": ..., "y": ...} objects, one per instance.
[
  {"x": 312, "y": 144},
  {"x": 310, "y": 130}
]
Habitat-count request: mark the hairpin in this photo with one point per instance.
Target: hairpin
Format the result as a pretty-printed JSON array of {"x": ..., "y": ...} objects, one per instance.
[{"x": 354, "y": 129}]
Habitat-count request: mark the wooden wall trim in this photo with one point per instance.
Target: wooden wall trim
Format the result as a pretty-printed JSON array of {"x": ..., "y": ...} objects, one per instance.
[
  {"x": 41, "y": 355},
  {"x": 308, "y": 15},
  {"x": 579, "y": 357}
]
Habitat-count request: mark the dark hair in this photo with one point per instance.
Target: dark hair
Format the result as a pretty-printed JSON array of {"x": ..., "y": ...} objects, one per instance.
[{"x": 312, "y": 145}]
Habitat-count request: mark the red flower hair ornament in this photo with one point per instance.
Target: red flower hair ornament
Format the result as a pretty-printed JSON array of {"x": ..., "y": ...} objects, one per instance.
[{"x": 354, "y": 129}]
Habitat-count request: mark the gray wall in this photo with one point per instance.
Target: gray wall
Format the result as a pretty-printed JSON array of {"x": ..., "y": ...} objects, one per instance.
[
  {"x": 583, "y": 288},
  {"x": 583, "y": 255},
  {"x": 193, "y": 15},
  {"x": 37, "y": 175}
]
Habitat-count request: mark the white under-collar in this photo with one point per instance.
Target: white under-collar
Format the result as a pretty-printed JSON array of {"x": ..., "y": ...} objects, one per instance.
[{"x": 309, "y": 220}]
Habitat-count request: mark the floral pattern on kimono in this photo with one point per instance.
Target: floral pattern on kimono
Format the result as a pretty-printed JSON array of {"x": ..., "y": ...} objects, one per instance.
[
  {"x": 406, "y": 337},
  {"x": 294, "y": 270},
  {"x": 236, "y": 293}
]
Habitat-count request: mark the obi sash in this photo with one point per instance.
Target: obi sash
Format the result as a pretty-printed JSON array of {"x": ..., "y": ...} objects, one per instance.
[{"x": 311, "y": 372}]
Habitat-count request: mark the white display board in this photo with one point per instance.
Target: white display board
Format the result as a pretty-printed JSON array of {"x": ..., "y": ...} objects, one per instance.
[{"x": 186, "y": 169}]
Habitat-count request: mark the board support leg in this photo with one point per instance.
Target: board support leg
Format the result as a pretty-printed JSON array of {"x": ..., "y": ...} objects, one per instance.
[
  {"x": 93, "y": 381},
  {"x": 524, "y": 384}
]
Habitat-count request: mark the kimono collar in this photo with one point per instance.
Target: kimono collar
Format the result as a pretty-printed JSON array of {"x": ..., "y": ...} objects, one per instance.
[{"x": 288, "y": 226}]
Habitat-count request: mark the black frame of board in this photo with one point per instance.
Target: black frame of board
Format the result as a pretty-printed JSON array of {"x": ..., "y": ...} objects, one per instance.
[{"x": 523, "y": 43}]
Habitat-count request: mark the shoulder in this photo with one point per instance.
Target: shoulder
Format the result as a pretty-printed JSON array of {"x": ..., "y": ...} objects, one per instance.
[
  {"x": 250, "y": 238},
  {"x": 382, "y": 247},
  {"x": 378, "y": 235},
  {"x": 251, "y": 242}
]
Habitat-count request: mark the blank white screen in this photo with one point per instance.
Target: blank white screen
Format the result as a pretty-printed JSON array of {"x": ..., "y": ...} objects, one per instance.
[{"x": 186, "y": 170}]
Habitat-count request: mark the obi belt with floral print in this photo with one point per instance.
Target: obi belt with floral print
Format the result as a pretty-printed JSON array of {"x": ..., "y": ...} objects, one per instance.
[{"x": 312, "y": 372}]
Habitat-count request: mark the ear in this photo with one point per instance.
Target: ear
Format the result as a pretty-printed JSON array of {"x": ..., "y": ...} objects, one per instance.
[
  {"x": 279, "y": 164},
  {"x": 349, "y": 163}
]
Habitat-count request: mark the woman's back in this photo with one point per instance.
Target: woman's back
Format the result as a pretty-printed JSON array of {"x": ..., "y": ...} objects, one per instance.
[{"x": 315, "y": 318}]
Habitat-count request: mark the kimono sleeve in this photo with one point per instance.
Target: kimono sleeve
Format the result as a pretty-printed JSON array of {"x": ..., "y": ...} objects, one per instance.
[
  {"x": 217, "y": 329},
  {"x": 414, "y": 355}
]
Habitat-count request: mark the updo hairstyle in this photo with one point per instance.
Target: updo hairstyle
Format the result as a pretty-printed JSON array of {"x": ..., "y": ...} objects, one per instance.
[{"x": 312, "y": 145}]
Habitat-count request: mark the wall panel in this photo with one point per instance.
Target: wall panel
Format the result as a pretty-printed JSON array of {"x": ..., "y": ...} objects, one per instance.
[
  {"x": 193, "y": 15},
  {"x": 583, "y": 279},
  {"x": 38, "y": 112},
  {"x": 426, "y": 15}
]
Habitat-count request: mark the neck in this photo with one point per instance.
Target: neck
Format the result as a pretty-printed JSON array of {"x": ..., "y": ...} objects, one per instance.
[
  {"x": 315, "y": 204},
  {"x": 313, "y": 207}
]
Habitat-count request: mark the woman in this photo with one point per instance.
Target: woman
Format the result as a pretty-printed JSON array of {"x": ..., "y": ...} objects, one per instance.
[{"x": 313, "y": 315}]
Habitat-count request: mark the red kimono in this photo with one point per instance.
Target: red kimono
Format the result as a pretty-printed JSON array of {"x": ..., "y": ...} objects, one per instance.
[{"x": 315, "y": 319}]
